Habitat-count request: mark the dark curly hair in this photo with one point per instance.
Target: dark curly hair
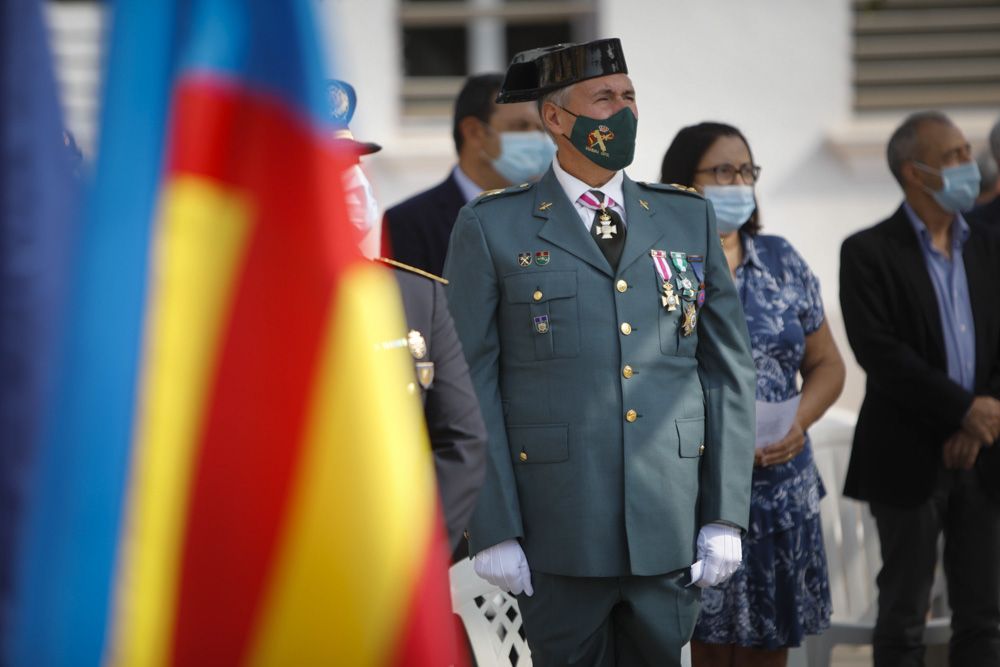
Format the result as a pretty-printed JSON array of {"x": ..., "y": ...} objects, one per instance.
[{"x": 685, "y": 152}]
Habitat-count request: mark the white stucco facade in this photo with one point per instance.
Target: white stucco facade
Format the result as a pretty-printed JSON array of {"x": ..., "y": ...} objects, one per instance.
[{"x": 780, "y": 70}]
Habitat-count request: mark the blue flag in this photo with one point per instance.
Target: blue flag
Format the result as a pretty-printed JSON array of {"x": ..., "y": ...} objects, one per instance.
[{"x": 37, "y": 207}]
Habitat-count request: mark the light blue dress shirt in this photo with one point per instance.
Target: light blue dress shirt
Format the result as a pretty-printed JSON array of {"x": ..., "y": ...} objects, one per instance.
[{"x": 952, "y": 290}]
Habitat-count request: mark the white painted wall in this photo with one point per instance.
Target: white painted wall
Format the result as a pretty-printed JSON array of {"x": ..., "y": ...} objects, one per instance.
[{"x": 780, "y": 70}]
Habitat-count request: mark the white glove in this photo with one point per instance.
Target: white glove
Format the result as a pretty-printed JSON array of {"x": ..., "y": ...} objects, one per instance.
[
  {"x": 720, "y": 552},
  {"x": 505, "y": 566}
]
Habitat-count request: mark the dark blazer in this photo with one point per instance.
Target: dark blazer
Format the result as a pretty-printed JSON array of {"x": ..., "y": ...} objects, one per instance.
[
  {"x": 988, "y": 213},
  {"x": 911, "y": 406},
  {"x": 416, "y": 231},
  {"x": 454, "y": 423}
]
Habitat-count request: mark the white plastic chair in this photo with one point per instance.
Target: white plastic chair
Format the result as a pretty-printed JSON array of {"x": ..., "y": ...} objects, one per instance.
[
  {"x": 492, "y": 620},
  {"x": 490, "y": 617},
  {"x": 852, "y": 551}
]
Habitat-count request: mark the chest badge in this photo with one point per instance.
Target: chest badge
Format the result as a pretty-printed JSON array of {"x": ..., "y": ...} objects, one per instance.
[
  {"x": 542, "y": 257},
  {"x": 690, "y": 319},
  {"x": 425, "y": 373},
  {"x": 541, "y": 324},
  {"x": 524, "y": 259},
  {"x": 418, "y": 346}
]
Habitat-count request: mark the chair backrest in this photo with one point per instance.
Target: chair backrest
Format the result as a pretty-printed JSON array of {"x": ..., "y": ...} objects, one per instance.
[
  {"x": 852, "y": 546},
  {"x": 490, "y": 617}
]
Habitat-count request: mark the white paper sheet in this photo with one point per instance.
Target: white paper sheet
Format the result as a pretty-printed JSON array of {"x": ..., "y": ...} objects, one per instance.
[{"x": 774, "y": 420}]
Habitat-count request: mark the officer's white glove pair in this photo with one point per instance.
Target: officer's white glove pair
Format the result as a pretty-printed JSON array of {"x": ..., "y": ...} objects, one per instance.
[
  {"x": 720, "y": 552},
  {"x": 505, "y": 566}
]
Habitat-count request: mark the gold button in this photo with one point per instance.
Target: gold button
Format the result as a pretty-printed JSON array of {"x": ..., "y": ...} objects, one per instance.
[
  {"x": 627, "y": 372},
  {"x": 626, "y": 328},
  {"x": 701, "y": 449},
  {"x": 523, "y": 456},
  {"x": 537, "y": 296},
  {"x": 621, "y": 285},
  {"x": 630, "y": 416}
]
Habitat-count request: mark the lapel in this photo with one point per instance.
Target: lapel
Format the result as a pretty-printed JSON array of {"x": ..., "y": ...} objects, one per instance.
[
  {"x": 910, "y": 259},
  {"x": 982, "y": 296},
  {"x": 563, "y": 226},
  {"x": 643, "y": 231},
  {"x": 449, "y": 196}
]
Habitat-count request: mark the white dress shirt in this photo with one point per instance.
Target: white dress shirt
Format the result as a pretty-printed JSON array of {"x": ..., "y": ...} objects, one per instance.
[{"x": 574, "y": 187}]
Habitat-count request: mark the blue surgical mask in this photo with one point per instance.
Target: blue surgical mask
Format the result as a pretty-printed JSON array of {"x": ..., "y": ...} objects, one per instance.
[
  {"x": 733, "y": 204},
  {"x": 524, "y": 156},
  {"x": 959, "y": 186}
]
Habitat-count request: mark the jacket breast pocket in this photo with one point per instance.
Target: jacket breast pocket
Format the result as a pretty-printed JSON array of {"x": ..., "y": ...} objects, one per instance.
[
  {"x": 672, "y": 338},
  {"x": 542, "y": 315}
]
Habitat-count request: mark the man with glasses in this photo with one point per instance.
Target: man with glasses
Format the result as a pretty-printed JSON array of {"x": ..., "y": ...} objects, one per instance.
[
  {"x": 610, "y": 356},
  {"x": 919, "y": 297}
]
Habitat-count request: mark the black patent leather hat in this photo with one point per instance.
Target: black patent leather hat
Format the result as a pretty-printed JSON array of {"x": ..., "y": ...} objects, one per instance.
[{"x": 539, "y": 71}]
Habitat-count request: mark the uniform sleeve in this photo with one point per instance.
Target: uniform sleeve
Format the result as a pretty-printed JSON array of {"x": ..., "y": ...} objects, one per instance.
[
  {"x": 473, "y": 297},
  {"x": 454, "y": 423},
  {"x": 810, "y": 309},
  {"x": 727, "y": 374},
  {"x": 891, "y": 364}
]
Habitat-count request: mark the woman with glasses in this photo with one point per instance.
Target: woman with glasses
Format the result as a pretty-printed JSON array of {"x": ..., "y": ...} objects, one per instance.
[{"x": 781, "y": 592}]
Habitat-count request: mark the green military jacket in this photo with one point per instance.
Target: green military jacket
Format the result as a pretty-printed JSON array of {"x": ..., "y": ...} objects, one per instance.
[{"x": 613, "y": 437}]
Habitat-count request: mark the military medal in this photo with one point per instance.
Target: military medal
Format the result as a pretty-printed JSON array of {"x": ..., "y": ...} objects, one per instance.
[
  {"x": 689, "y": 320},
  {"x": 541, "y": 324},
  {"x": 669, "y": 298},
  {"x": 680, "y": 261},
  {"x": 696, "y": 262},
  {"x": 605, "y": 229}
]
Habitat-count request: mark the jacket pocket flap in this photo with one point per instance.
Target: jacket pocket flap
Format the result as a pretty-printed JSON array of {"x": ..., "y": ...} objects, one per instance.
[
  {"x": 691, "y": 433},
  {"x": 539, "y": 286},
  {"x": 539, "y": 444}
]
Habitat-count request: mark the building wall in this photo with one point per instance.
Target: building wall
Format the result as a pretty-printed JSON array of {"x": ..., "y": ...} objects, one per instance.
[{"x": 780, "y": 70}]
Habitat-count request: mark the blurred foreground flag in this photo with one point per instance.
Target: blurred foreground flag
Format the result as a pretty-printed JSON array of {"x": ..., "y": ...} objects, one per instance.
[
  {"x": 233, "y": 472},
  {"x": 37, "y": 203}
]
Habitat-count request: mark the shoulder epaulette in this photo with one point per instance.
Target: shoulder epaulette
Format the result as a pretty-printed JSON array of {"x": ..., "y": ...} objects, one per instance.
[
  {"x": 672, "y": 187},
  {"x": 490, "y": 194},
  {"x": 411, "y": 269}
]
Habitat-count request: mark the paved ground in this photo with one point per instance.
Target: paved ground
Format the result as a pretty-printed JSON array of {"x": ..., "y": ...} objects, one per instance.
[{"x": 861, "y": 656}]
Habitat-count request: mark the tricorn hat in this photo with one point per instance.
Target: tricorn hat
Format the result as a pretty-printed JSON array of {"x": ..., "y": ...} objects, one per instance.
[
  {"x": 341, "y": 103},
  {"x": 539, "y": 71}
]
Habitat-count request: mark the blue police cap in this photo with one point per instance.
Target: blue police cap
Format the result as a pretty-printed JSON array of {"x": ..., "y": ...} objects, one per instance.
[{"x": 342, "y": 101}]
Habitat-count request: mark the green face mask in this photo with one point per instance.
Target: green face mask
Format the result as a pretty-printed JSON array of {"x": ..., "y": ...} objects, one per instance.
[{"x": 608, "y": 143}]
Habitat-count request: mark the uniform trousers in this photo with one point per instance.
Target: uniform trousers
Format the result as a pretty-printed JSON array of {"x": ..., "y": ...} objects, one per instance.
[
  {"x": 909, "y": 536},
  {"x": 628, "y": 621}
]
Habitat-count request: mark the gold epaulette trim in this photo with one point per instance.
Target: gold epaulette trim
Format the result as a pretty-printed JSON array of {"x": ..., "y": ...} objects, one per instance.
[{"x": 411, "y": 269}]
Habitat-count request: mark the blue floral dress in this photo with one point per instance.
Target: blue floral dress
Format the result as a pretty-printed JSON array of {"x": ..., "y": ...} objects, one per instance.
[{"x": 781, "y": 592}]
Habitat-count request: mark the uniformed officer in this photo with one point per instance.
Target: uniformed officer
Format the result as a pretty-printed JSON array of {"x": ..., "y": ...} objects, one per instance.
[
  {"x": 441, "y": 376},
  {"x": 610, "y": 355}
]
